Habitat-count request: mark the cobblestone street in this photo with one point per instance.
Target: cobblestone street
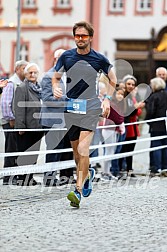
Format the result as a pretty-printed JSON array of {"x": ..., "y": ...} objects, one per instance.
[{"x": 123, "y": 216}]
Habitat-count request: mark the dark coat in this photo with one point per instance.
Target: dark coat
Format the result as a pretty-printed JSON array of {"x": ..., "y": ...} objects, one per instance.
[
  {"x": 156, "y": 107},
  {"x": 24, "y": 115}
]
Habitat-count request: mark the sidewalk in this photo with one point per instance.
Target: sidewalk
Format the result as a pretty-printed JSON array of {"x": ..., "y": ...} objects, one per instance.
[{"x": 121, "y": 217}]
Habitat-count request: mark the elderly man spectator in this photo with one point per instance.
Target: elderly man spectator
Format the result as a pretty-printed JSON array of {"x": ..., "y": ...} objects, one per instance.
[
  {"x": 52, "y": 116},
  {"x": 8, "y": 118},
  {"x": 156, "y": 107},
  {"x": 162, "y": 73}
]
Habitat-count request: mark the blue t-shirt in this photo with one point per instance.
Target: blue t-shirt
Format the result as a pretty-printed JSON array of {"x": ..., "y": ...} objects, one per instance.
[{"x": 82, "y": 73}]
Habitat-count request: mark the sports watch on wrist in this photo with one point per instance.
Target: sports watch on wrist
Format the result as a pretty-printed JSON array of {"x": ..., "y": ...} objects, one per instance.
[{"x": 108, "y": 97}]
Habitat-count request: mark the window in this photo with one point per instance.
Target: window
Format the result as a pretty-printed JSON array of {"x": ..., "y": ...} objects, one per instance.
[
  {"x": 144, "y": 5},
  {"x": 164, "y": 11},
  {"x": 29, "y": 6},
  {"x": 63, "y": 3},
  {"x": 62, "y": 6},
  {"x": 116, "y": 6},
  {"x": 29, "y": 3},
  {"x": 24, "y": 52}
]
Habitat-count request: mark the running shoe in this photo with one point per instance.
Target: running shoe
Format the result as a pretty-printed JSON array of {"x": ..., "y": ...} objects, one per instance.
[
  {"x": 87, "y": 186},
  {"x": 75, "y": 198}
]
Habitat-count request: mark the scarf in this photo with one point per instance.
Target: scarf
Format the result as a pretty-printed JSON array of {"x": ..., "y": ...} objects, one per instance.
[{"x": 36, "y": 88}]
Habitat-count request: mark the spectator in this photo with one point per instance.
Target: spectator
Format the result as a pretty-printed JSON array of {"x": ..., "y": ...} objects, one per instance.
[
  {"x": 27, "y": 112},
  {"x": 109, "y": 134},
  {"x": 52, "y": 116},
  {"x": 133, "y": 110},
  {"x": 162, "y": 73},
  {"x": 156, "y": 107},
  {"x": 115, "y": 170},
  {"x": 120, "y": 131},
  {"x": 8, "y": 118},
  {"x": 121, "y": 85}
]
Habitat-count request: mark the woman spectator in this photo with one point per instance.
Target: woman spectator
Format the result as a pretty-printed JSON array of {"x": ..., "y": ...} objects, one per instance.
[
  {"x": 156, "y": 107},
  {"x": 120, "y": 131},
  {"x": 27, "y": 109},
  {"x": 110, "y": 134},
  {"x": 133, "y": 110},
  {"x": 115, "y": 118}
]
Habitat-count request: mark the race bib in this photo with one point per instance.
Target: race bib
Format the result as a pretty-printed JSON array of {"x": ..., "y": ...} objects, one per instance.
[{"x": 77, "y": 106}]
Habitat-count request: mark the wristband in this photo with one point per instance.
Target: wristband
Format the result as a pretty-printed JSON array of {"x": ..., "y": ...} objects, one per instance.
[{"x": 108, "y": 97}]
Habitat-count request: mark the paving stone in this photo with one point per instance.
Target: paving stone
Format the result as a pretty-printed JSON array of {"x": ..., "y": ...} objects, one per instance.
[{"x": 122, "y": 217}]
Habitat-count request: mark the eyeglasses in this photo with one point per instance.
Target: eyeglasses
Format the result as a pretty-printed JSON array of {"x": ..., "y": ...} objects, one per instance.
[{"x": 82, "y": 36}]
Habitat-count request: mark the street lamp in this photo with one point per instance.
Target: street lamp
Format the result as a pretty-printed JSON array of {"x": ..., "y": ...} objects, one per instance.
[
  {"x": 150, "y": 54},
  {"x": 18, "y": 31}
]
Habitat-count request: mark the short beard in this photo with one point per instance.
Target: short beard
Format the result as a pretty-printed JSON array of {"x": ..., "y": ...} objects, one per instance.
[{"x": 82, "y": 47}]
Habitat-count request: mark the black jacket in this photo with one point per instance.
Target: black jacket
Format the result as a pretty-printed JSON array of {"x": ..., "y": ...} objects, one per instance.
[
  {"x": 156, "y": 107},
  {"x": 26, "y": 117}
]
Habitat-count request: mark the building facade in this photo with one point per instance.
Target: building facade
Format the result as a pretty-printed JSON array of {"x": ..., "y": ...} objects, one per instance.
[{"x": 131, "y": 33}]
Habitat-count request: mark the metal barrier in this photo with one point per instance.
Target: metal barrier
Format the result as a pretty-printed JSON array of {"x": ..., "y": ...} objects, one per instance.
[{"x": 27, "y": 169}]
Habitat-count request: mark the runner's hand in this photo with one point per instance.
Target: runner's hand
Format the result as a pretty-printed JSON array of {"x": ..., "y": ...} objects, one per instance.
[{"x": 57, "y": 92}]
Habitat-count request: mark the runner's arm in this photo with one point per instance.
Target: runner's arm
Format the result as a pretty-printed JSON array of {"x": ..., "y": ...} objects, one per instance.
[
  {"x": 110, "y": 90},
  {"x": 112, "y": 82},
  {"x": 57, "y": 91}
]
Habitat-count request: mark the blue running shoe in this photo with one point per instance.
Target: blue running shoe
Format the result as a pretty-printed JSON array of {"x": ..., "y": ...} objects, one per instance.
[
  {"x": 75, "y": 198},
  {"x": 87, "y": 186}
]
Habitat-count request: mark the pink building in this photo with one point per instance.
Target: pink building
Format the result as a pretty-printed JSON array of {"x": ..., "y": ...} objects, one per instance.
[{"x": 130, "y": 30}]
